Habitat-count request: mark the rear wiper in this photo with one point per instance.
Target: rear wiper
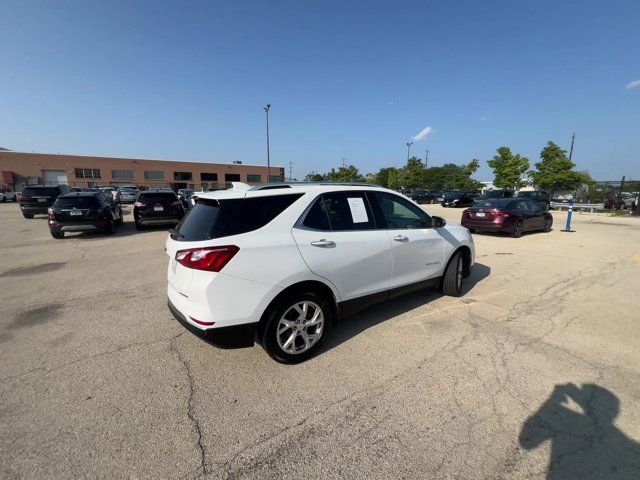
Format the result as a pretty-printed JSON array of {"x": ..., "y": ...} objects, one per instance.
[{"x": 174, "y": 233}]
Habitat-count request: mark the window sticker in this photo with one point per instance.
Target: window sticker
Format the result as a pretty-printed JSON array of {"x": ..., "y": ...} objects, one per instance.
[{"x": 358, "y": 211}]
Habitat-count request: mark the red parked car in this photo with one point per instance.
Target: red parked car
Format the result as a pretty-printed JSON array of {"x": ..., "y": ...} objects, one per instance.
[{"x": 511, "y": 215}]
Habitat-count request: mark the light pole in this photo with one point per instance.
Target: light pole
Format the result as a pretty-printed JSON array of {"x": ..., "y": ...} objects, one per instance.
[
  {"x": 408, "y": 150},
  {"x": 266, "y": 110}
]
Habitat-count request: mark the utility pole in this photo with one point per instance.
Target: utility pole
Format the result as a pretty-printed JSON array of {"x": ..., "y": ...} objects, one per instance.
[
  {"x": 343, "y": 162},
  {"x": 409, "y": 150},
  {"x": 573, "y": 139},
  {"x": 266, "y": 110},
  {"x": 290, "y": 170},
  {"x": 426, "y": 159}
]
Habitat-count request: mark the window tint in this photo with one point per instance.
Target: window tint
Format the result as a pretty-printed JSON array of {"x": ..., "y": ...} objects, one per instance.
[
  {"x": 44, "y": 191},
  {"x": 157, "y": 197},
  {"x": 316, "y": 217},
  {"x": 495, "y": 203},
  {"x": 214, "y": 219},
  {"x": 344, "y": 211},
  {"x": 78, "y": 202},
  {"x": 398, "y": 213}
]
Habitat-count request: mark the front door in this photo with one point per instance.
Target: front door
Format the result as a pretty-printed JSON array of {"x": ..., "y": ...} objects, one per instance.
[
  {"x": 418, "y": 249},
  {"x": 338, "y": 240}
]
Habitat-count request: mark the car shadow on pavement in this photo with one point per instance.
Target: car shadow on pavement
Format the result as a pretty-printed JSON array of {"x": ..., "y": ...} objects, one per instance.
[
  {"x": 375, "y": 314},
  {"x": 585, "y": 443}
]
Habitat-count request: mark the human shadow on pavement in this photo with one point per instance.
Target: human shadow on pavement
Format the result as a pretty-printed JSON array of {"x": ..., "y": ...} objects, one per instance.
[
  {"x": 585, "y": 443},
  {"x": 378, "y": 313}
]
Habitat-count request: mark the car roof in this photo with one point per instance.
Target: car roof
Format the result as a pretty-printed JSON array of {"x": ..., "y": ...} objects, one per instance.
[
  {"x": 270, "y": 189},
  {"x": 158, "y": 190},
  {"x": 80, "y": 194}
]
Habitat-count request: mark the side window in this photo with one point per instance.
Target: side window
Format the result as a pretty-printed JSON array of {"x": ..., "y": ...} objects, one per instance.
[
  {"x": 317, "y": 217},
  {"x": 397, "y": 213},
  {"x": 522, "y": 205},
  {"x": 533, "y": 206},
  {"x": 340, "y": 211}
]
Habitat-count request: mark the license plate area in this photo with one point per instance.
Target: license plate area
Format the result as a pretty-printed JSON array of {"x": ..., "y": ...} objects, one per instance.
[
  {"x": 75, "y": 214},
  {"x": 158, "y": 208},
  {"x": 480, "y": 214},
  {"x": 42, "y": 200}
]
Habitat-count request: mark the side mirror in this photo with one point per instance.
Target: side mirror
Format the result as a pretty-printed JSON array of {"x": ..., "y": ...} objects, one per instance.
[{"x": 438, "y": 222}]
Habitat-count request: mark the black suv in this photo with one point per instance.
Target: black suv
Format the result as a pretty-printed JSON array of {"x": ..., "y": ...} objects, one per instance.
[
  {"x": 157, "y": 207},
  {"x": 424, "y": 196},
  {"x": 457, "y": 199},
  {"x": 538, "y": 196},
  {"x": 36, "y": 199},
  {"x": 83, "y": 212}
]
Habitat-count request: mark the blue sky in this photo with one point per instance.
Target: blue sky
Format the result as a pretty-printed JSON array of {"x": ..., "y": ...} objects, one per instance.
[{"x": 355, "y": 80}]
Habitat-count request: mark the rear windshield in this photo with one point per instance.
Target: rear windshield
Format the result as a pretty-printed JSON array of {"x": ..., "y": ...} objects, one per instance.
[
  {"x": 494, "y": 202},
  {"x": 47, "y": 191},
  {"x": 78, "y": 202},
  {"x": 214, "y": 219},
  {"x": 157, "y": 197}
]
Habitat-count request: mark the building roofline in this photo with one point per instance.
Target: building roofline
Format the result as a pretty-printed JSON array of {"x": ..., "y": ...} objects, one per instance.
[{"x": 135, "y": 158}]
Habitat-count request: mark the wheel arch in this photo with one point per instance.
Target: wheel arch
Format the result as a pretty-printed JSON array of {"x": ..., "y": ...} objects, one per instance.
[
  {"x": 466, "y": 260},
  {"x": 315, "y": 286}
]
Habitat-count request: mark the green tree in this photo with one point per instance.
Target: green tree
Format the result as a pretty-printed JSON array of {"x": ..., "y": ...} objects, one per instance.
[
  {"x": 382, "y": 177},
  {"x": 344, "y": 174},
  {"x": 413, "y": 174},
  {"x": 508, "y": 168},
  {"x": 313, "y": 177},
  {"x": 555, "y": 171}
]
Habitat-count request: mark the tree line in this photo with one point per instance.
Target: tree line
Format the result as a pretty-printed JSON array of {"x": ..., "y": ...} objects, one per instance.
[{"x": 554, "y": 172}]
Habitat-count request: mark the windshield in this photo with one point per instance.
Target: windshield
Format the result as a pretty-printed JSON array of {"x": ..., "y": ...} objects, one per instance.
[
  {"x": 77, "y": 202},
  {"x": 40, "y": 191}
]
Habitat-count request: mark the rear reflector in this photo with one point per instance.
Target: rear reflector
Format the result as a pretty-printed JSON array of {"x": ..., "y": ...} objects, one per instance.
[
  {"x": 211, "y": 259},
  {"x": 200, "y": 322},
  {"x": 502, "y": 213}
]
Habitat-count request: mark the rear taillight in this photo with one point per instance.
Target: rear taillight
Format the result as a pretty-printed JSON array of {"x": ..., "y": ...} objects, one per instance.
[
  {"x": 212, "y": 259},
  {"x": 23, "y": 198},
  {"x": 466, "y": 213},
  {"x": 51, "y": 213},
  {"x": 139, "y": 204},
  {"x": 501, "y": 213}
]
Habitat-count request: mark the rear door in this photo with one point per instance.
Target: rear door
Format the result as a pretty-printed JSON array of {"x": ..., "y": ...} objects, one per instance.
[
  {"x": 339, "y": 241},
  {"x": 536, "y": 218},
  {"x": 418, "y": 249}
]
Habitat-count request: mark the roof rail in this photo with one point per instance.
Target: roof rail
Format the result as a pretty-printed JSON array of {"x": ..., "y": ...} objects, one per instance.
[{"x": 269, "y": 186}]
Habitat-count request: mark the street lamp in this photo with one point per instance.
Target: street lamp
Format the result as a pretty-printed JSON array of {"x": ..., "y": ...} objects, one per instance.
[
  {"x": 408, "y": 149},
  {"x": 266, "y": 110}
]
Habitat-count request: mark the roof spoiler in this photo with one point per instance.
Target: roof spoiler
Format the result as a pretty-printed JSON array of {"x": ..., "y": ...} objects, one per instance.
[{"x": 240, "y": 186}]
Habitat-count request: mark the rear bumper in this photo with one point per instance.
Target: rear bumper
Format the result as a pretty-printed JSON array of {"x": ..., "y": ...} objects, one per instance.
[
  {"x": 34, "y": 209},
  {"x": 157, "y": 220},
  {"x": 236, "y": 336},
  {"x": 74, "y": 227},
  {"x": 493, "y": 226}
]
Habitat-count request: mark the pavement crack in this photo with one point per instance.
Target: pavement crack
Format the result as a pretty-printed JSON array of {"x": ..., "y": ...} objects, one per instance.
[{"x": 191, "y": 404}]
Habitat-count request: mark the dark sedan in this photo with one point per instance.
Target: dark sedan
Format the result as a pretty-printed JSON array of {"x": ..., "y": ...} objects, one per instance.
[
  {"x": 83, "y": 212},
  {"x": 458, "y": 199},
  {"x": 36, "y": 199},
  {"x": 157, "y": 207},
  {"x": 511, "y": 215}
]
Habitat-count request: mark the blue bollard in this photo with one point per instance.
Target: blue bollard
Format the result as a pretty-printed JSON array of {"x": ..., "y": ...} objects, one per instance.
[{"x": 569, "y": 213}]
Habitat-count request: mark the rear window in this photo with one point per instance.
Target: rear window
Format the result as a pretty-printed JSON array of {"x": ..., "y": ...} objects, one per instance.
[
  {"x": 78, "y": 202},
  {"x": 494, "y": 202},
  {"x": 157, "y": 197},
  {"x": 214, "y": 219},
  {"x": 46, "y": 191}
]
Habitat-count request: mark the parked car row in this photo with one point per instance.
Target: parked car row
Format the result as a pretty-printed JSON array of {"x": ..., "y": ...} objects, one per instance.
[{"x": 98, "y": 209}]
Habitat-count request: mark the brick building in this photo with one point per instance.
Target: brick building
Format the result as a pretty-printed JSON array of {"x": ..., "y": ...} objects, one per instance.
[{"x": 19, "y": 169}]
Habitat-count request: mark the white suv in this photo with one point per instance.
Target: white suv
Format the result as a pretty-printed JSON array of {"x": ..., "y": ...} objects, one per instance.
[{"x": 280, "y": 264}]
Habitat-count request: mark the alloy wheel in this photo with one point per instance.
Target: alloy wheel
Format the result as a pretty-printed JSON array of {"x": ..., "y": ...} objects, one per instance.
[{"x": 300, "y": 327}]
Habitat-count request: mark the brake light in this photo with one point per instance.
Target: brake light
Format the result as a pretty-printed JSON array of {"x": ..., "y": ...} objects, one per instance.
[
  {"x": 501, "y": 213},
  {"x": 200, "y": 322},
  {"x": 51, "y": 214},
  {"x": 211, "y": 259},
  {"x": 23, "y": 197},
  {"x": 139, "y": 204}
]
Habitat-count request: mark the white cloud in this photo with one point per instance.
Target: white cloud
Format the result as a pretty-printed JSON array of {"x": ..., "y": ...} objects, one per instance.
[
  {"x": 634, "y": 84},
  {"x": 424, "y": 133}
]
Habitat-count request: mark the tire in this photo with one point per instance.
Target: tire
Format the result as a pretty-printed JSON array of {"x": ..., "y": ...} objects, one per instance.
[
  {"x": 548, "y": 224},
  {"x": 472, "y": 230},
  {"x": 518, "y": 229},
  {"x": 139, "y": 227},
  {"x": 27, "y": 215},
  {"x": 57, "y": 235},
  {"x": 4, "y": 199},
  {"x": 111, "y": 228},
  {"x": 452, "y": 279},
  {"x": 286, "y": 316}
]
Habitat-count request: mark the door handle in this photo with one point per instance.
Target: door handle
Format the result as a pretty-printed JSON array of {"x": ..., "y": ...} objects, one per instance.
[
  {"x": 323, "y": 243},
  {"x": 401, "y": 238}
]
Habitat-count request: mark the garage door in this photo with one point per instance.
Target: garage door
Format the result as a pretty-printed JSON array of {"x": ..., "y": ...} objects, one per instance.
[{"x": 54, "y": 177}]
